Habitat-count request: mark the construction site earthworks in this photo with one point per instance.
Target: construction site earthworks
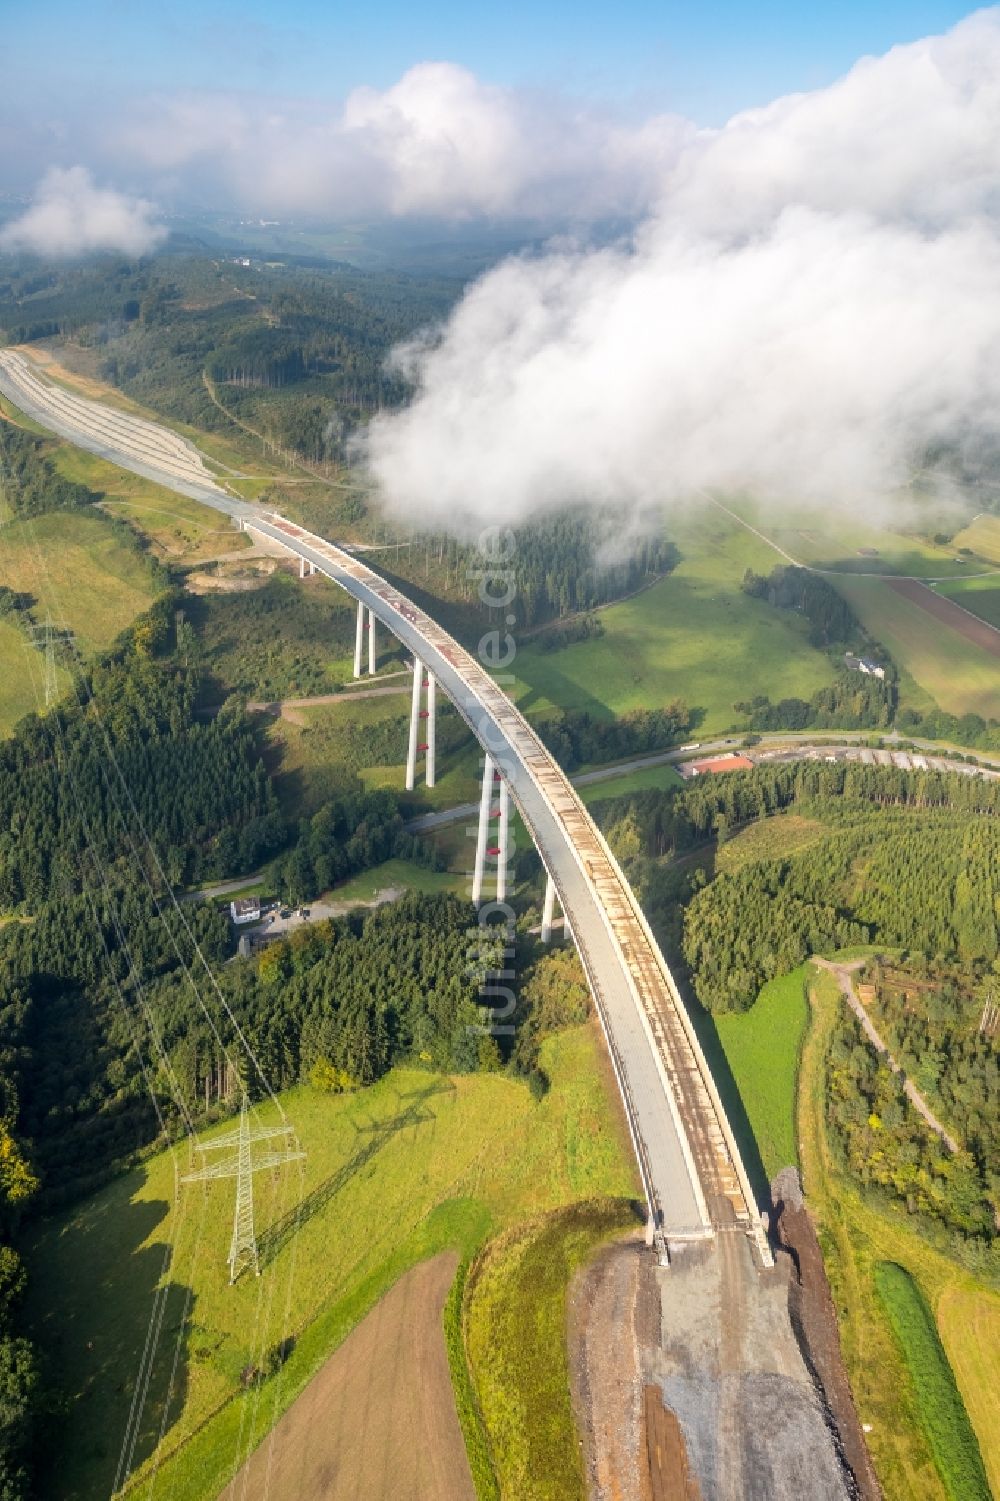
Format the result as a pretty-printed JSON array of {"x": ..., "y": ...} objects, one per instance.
[{"x": 726, "y": 1382}]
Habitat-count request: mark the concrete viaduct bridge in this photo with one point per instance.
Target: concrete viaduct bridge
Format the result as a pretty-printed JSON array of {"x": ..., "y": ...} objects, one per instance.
[{"x": 695, "y": 1183}]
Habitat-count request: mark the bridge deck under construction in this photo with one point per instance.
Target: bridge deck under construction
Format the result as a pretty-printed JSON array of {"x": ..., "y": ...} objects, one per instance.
[{"x": 691, "y": 1169}]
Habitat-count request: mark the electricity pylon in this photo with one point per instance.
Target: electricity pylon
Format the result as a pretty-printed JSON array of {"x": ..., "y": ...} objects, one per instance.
[
  {"x": 46, "y": 637},
  {"x": 241, "y": 1165}
]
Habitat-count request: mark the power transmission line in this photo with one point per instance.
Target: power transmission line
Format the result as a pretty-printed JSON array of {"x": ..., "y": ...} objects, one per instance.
[
  {"x": 46, "y": 638},
  {"x": 241, "y": 1165}
]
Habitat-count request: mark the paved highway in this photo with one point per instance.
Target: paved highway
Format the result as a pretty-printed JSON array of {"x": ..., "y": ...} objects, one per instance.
[{"x": 693, "y": 1177}]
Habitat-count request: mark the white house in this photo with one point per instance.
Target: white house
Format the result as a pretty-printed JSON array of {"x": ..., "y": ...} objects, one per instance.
[
  {"x": 864, "y": 664},
  {"x": 245, "y": 910}
]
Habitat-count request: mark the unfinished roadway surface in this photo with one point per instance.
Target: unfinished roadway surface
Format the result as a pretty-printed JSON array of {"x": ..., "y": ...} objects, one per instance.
[
  {"x": 750, "y": 1429},
  {"x": 694, "y": 1180}
]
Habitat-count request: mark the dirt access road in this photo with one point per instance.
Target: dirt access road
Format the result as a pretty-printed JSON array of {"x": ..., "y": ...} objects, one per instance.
[
  {"x": 378, "y": 1422},
  {"x": 844, "y": 976}
]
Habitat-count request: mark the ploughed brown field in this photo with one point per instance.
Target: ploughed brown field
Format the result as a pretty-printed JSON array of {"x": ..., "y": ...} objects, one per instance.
[
  {"x": 979, "y": 632},
  {"x": 378, "y": 1422}
]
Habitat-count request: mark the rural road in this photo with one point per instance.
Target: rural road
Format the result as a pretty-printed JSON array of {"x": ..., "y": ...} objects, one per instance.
[
  {"x": 784, "y": 747},
  {"x": 221, "y": 888},
  {"x": 844, "y": 974}
]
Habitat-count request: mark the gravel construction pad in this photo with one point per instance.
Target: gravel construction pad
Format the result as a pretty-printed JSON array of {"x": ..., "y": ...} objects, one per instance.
[
  {"x": 711, "y": 1338},
  {"x": 730, "y": 1368}
]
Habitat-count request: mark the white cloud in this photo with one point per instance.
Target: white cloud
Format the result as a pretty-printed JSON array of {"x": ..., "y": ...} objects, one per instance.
[
  {"x": 71, "y": 215},
  {"x": 437, "y": 143},
  {"x": 450, "y": 145},
  {"x": 914, "y": 134},
  {"x": 815, "y": 300}
]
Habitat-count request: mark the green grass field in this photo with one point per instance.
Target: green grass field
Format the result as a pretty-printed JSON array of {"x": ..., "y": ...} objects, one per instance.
[
  {"x": 391, "y": 1175},
  {"x": 630, "y": 781},
  {"x": 333, "y": 746},
  {"x": 762, "y": 1048},
  {"x": 981, "y": 596},
  {"x": 458, "y": 779},
  {"x": 400, "y": 873},
  {"x": 769, "y": 839},
  {"x": 22, "y": 681},
  {"x": 693, "y": 635},
  {"x": 323, "y": 752},
  {"x": 855, "y": 1235},
  {"x": 969, "y": 1321},
  {"x": 848, "y": 543},
  {"x": 177, "y": 529},
  {"x": 78, "y": 572},
  {"x": 942, "y": 1412},
  {"x": 516, "y": 1339},
  {"x": 981, "y": 536},
  {"x": 959, "y": 676}
]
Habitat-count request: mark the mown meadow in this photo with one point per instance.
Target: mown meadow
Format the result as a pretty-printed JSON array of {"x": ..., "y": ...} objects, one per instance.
[
  {"x": 694, "y": 636},
  {"x": 391, "y": 1175}
]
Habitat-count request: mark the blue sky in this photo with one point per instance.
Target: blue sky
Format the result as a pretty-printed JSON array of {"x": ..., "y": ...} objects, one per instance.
[
  {"x": 563, "y": 115},
  {"x": 704, "y": 60},
  {"x": 796, "y": 302}
]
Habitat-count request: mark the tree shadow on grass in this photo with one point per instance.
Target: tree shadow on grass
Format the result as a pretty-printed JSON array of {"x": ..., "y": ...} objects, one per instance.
[
  {"x": 564, "y": 691},
  {"x": 732, "y": 1101},
  {"x": 114, "y": 1329},
  {"x": 379, "y": 1133}
]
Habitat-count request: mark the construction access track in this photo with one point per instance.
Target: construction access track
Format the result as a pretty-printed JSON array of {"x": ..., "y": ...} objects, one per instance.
[{"x": 693, "y": 1176}]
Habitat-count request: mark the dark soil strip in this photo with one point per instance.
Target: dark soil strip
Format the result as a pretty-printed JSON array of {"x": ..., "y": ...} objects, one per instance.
[
  {"x": 979, "y": 632},
  {"x": 815, "y": 1324},
  {"x": 666, "y": 1453}
]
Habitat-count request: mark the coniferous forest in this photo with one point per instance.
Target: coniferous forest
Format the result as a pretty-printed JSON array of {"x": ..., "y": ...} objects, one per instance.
[
  {"x": 124, "y": 1016},
  {"x": 908, "y": 862}
]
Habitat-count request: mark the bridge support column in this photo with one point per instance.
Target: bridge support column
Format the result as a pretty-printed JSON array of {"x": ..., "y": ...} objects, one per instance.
[
  {"x": 411, "y": 750},
  {"x": 306, "y": 568},
  {"x": 371, "y": 643},
  {"x": 484, "y": 825},
  {"x": 431, "y": 731},
  {"x": 503, "y": 842},
  {"x": 359, "y": 640},
  {"x": 548, "y": 908}
]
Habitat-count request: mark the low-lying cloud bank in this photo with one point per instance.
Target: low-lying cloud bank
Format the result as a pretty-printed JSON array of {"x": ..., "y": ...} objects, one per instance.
[
  {"x": 813, "y": 304},
  {"x": 439, "y": 143},
  {"x": 810, "y": 306},
  {"x": 71, "y": 215}
]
